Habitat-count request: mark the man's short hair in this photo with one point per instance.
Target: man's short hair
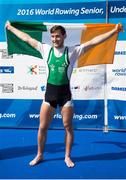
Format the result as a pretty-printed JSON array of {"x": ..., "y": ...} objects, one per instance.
[{"x": 58, "y": 27}]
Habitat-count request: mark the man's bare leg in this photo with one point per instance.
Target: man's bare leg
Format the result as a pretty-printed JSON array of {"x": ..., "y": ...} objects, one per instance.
[
  {"x": 67, "y": 114},
  {"x": 46, "y": 114}
]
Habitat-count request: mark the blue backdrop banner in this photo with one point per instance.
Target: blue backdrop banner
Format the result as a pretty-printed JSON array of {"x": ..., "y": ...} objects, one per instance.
[{"x": 23, "y": 77}]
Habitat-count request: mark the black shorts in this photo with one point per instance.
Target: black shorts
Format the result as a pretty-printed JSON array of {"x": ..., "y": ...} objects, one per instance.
[{"x": 57, "y": 95}]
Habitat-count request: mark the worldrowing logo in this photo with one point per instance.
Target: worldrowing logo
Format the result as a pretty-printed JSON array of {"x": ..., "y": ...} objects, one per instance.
[{"x": 119, "y": 72}]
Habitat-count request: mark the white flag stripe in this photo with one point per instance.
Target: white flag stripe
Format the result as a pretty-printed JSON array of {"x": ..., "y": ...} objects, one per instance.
[
  {"x": 66, "y": 25},
  {"x": 73, "y": 34}
]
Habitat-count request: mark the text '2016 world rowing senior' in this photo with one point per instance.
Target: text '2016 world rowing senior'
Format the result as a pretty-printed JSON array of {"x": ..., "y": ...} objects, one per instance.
[{"x": 59, "y": 11}]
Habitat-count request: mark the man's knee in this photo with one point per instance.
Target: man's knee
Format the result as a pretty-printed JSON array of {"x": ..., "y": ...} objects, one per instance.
[
  {"x": 68, "y": 127},
  {"x": 43, "y": 129}
]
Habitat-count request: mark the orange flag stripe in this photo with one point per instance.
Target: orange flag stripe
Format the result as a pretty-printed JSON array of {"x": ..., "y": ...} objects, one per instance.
[{"x": 102, "y": 53}]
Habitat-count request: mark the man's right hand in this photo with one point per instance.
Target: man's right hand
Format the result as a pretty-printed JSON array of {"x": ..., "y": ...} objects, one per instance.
[{"x": 8, "y": 25}]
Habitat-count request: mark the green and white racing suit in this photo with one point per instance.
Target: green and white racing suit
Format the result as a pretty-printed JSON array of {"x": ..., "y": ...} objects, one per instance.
[{"x": 59, "y": 66}]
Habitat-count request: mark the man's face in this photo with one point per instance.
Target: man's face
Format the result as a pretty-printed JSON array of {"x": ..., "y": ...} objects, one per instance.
[{"x": 57, "y": 39}]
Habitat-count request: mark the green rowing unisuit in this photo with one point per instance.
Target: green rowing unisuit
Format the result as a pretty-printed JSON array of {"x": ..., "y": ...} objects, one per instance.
[{"x": 58, "y": 68}]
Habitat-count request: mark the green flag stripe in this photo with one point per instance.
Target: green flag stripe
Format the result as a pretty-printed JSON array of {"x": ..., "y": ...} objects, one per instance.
[
  {"x": 29, "y": 26},
  {"x": 17, "y": 46}
]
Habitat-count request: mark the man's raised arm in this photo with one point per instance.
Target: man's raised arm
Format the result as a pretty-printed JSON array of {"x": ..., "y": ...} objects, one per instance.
[
  {"x": 101, "y": 38},
  {"x": 23, "y": 36}
]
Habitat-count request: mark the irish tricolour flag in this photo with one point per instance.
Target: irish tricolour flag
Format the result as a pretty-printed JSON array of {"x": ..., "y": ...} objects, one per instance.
[{"x": 76, "y": 34}]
